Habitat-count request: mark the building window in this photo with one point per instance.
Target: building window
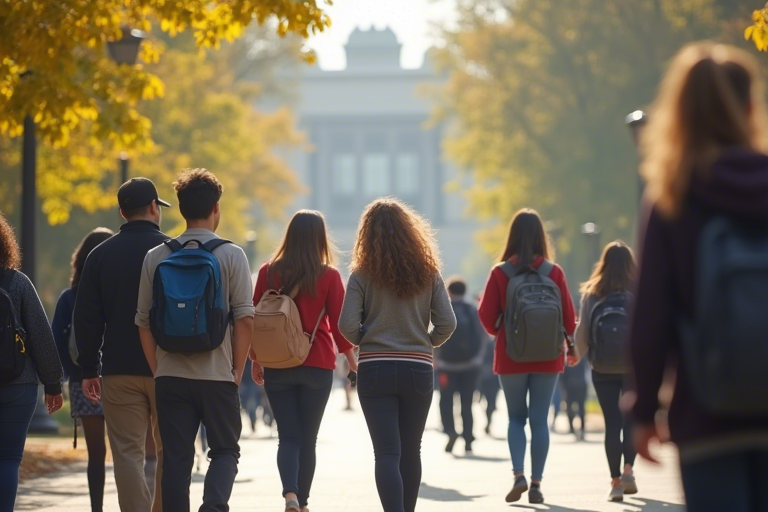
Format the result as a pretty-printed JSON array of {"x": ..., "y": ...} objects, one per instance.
[
  {"x": 344, "y": 174},
  {"x": 376, "y": 175},
  {"x": 407, "y": 174}
]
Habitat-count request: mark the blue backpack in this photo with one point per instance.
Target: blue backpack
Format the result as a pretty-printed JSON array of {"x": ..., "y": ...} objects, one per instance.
[{"x": 187, "y": 314}]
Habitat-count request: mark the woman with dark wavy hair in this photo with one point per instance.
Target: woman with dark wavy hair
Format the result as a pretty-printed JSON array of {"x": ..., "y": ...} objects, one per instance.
[
  {"x": 89, "y": 413},
  {"x": 394, "y": 292},
  {"x": 18, "y": 398}
]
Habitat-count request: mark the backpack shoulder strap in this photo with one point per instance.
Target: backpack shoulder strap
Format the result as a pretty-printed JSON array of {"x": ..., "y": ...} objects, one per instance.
[
  {"x": 546, "y": 268},
  {"x": 214, "y": 244},
  {"x": 317, "y": 325},
  {"x": 173, "y": 244},
  {"x": 509, "y": 269}
]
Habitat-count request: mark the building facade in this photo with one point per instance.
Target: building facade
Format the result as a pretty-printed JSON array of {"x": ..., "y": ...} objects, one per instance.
[{"x": 370, "y": 134}]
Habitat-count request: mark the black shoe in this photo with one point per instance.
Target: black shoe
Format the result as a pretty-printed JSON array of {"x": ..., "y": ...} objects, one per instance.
[
  {"x": 534, "y": 495},
  {"x": 468, "y": 448},
  {"x": 521, "y": 485},
  {"x": 451, "y": 443}
]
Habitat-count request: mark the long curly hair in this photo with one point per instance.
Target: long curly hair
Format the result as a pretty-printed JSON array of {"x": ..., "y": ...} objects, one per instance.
[
  {"x": 10, "y": 256},
  {"x": 395, "y": 248},
  {"x": 82, "y": 251}
]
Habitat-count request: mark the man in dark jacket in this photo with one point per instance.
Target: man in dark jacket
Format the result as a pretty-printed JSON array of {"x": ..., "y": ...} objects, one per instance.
[
  {"x": 458, "y": 365},
  {"x": 104, "y": 326}
]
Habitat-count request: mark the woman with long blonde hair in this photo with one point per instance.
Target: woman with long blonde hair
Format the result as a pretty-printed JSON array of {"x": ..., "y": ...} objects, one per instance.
[
  {"x": 707, "y": 174},
  {"x": 394, "y": 292},
  {"x": 605, "y": 301},
  {"x": 303, "y": 268}
]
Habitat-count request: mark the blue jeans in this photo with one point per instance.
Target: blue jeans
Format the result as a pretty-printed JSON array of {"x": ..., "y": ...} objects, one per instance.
[
  {"x": 298, "y": 397},
  {"x": 517, "y": 387},
  {"x": 395, "y": 397},
  {"x": 734, "y": 482},
  {"x": 17, "y": 405}
]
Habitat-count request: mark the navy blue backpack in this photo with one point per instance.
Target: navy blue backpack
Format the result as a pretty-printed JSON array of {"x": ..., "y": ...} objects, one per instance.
[{"x": 187, "y": 314}]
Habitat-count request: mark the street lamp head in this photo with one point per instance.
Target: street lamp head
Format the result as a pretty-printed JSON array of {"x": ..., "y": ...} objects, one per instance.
[
  {"x": 126, "y": 49},
  {"x": 590, "y": 229},
  {"x": 635, "y": 121}
]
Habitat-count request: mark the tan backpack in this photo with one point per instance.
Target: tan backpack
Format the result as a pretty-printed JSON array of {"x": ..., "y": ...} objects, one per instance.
[{"x": 279, "y": 340}]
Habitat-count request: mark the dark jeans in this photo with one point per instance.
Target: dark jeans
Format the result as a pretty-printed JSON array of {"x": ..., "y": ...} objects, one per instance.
[
  {"x": 298, "y": 397},
  {"x": 734, "y": 482},
  {"x": 464, "y": 383},
  {"x": 17, "y": 404},
  {"x": 609, "y": 392},
  {"x": 489, "y": 388},
  {"x": 395, "y": 397},
  {"x": 182, "y": 404}
]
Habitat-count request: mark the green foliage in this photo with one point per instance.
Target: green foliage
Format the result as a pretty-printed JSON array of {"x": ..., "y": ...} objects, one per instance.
[{"x": 540, "y": 90}]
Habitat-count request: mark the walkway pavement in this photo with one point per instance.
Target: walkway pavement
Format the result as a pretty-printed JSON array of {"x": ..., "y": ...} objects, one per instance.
[{"x": 576, "y": 475}]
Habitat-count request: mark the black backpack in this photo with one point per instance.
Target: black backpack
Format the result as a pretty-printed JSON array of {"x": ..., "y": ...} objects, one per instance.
[
  {"x": 608, "y": 337},
  {"x": 725, "y": 344},
  {"x": 12, "y": 335},
  {"x": 466, "y": 341},
  {"x": 533, "y": 318}
]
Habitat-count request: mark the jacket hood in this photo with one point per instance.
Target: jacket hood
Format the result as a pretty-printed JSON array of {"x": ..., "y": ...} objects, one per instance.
[{"x": 736, "y": 184}]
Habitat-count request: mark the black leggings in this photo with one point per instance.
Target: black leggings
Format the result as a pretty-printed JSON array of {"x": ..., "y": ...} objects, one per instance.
[
  {"x": 93, "y": 428},
  {"x": 609, "y": 390},
  {"x": 395, "y": 398},
  {"x": 298, "y": 397}
]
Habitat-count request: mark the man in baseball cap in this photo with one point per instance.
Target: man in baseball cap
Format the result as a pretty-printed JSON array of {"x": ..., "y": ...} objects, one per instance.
[
  {"x": 137, "y": 193},
  {"x": 104, "y": 322}
]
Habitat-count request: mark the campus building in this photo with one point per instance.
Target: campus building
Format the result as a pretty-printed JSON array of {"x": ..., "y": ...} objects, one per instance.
[{"x": 370, "y": 130}]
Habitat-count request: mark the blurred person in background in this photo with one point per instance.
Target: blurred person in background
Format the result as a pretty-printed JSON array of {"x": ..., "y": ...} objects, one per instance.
[
  {"x": 601, "y": 337},
  {"x": 703, "y": 283},
  {"x": 458, "y": 365},
  {"x": 29, "y": 357},
  {"x": 89, "y": 413}
]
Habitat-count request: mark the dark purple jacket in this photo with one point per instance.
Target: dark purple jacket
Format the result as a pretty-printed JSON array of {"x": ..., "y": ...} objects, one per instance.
[{"x": 737, "y": 186}]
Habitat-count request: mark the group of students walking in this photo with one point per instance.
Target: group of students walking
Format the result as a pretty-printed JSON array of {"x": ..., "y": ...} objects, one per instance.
[{"x": 161, "y": 328}]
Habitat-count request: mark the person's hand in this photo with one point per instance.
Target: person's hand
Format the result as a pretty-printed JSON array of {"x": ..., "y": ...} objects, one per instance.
[
  {"x": 351, "y": 356},
  {"x": 92, "y": 389},
  {"x": 573, "y": 360},
  {"x": 53, "y": 403},
  {"x": 642, "y": 435},
  {"x": 257, "y": 373},
  {"x": 238, "y": 378}
]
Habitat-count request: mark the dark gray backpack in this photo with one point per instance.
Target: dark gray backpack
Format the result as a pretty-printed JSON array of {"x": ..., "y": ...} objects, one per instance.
[
  {"x": 608, "y": 339},
  {"x": 533, "y": 318},
  {"x": 725, "y": 344}
]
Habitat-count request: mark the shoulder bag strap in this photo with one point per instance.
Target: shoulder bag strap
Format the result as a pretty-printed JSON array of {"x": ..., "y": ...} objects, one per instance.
[
  {"x": 173, "y": 244},
  {"x": 212, "y": 245},
  {"x": 509, "y": 269},
  {"x": 317, "y": 325},
  {"x": 546, "y": 268}
]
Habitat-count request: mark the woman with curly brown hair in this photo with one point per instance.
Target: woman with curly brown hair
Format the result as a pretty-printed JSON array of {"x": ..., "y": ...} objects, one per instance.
[
  {"x": 394, "y": 292},
  {"x": 21, "y": 310}
]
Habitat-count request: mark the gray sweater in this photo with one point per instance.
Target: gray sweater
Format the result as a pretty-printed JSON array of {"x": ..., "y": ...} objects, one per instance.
[
  {"x": 377, "y": 320},
  {"x": 42, "y": 355}
]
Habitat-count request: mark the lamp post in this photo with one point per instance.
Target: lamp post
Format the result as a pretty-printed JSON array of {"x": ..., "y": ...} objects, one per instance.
[
  {"x": 635, "y": 121},
  {"x": 591, "y": 232},
  {"x": 123, "y": 51}
]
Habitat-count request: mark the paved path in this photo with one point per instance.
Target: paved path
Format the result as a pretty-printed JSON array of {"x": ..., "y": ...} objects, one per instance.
[{"x": 576, "y": 477}]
